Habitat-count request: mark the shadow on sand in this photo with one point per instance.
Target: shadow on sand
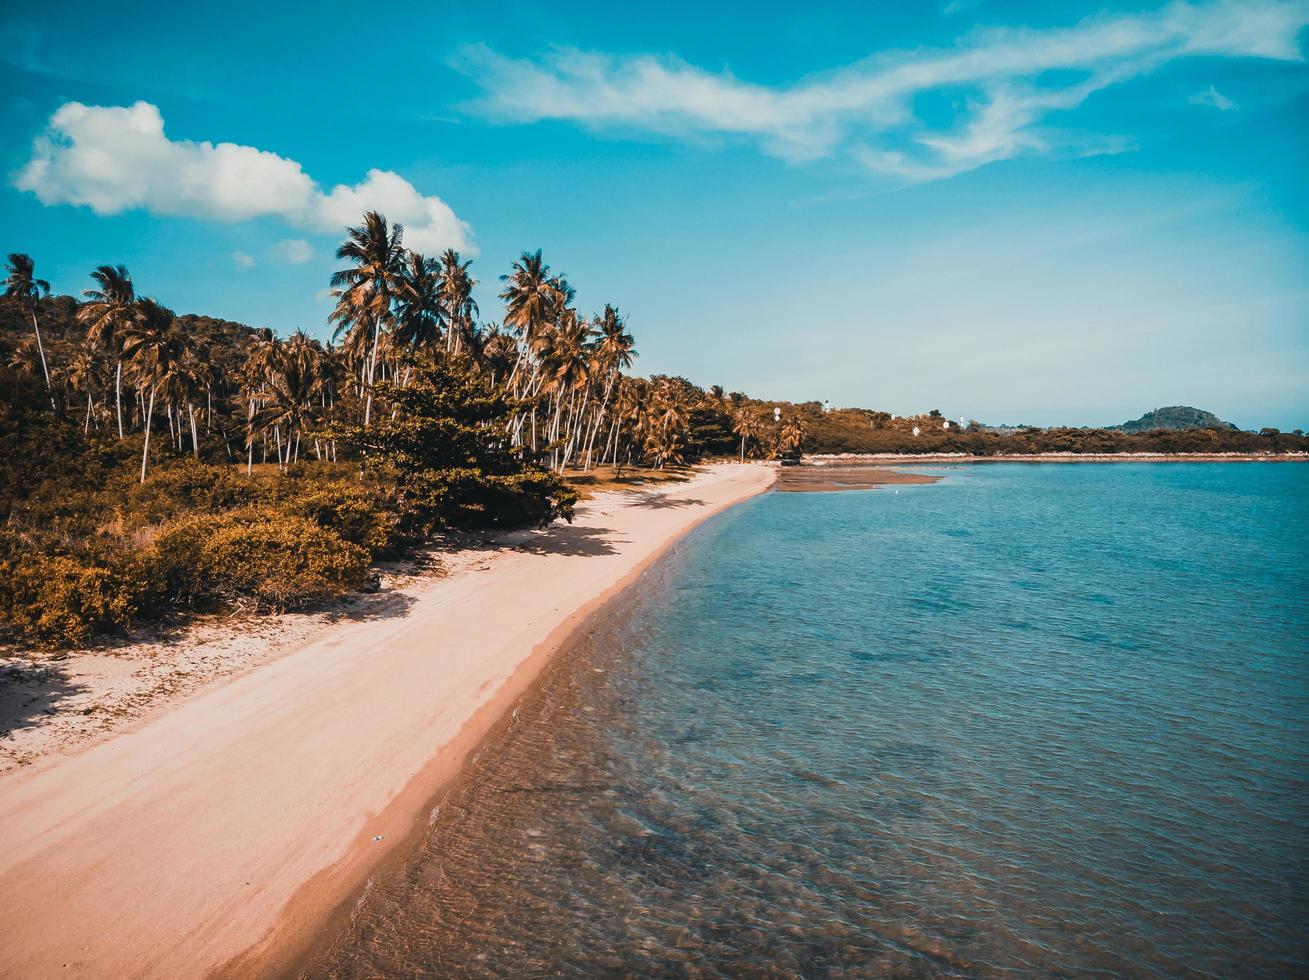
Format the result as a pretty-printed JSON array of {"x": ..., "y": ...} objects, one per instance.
[
  {"x": 570, "y": 540},
  {"x": 666, "y": 501},
  {"x": 30, "y": 692}
]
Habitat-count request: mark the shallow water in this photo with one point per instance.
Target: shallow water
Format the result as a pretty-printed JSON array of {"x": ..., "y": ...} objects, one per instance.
[{"x": 1037, "y": 719}]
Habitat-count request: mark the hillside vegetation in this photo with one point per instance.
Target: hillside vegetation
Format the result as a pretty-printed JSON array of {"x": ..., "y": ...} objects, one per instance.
[{"x": 1177, "y": 418}]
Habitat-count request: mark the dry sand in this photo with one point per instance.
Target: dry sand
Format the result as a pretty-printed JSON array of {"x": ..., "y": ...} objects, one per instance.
[{"x": 219, "y": 836}]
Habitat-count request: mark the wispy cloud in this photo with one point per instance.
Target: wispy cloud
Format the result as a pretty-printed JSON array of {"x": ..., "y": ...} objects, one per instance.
[
  {"x": 294, "y": 250},
  {"x": 117, "y": 158},
  {"x": 1214, "y": 99},
  {"x": 243, "y": 260},
  {"x": 1008, "y": 82}
]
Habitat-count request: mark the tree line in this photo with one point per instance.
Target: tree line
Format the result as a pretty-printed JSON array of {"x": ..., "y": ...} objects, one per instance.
[{"x": 139, "y": 368}]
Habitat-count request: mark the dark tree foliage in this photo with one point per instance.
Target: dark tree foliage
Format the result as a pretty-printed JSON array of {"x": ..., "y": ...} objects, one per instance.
[{"x": 447, "y": 445}]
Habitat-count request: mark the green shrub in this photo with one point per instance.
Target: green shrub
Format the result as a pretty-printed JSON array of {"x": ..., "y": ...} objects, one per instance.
[
  {"x": 56, "y": 601},
  {"x": 267, "y": 559},
  {"x": 184, "y": 486},
  {"x": 447, "y": 447},
  {"x": 467, "y": 498},
  {"x": 355, "y": 513}
]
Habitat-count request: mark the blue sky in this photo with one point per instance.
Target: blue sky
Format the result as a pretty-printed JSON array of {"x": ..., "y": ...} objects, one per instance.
[{"x": 1050, "y": 213}]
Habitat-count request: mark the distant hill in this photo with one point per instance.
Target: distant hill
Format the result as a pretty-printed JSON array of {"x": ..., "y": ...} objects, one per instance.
[{"x": 1176, "y": 417}]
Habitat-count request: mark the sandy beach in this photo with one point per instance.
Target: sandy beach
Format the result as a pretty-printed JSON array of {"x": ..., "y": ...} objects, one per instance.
[{"x": 219, "y": 836}]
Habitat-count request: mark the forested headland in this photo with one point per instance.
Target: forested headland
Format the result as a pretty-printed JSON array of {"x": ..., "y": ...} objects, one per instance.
[{"x": 151, "y": 461}]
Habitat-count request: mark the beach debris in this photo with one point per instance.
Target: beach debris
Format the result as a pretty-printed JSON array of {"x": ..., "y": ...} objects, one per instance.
[
  {"x": 916, "y": 432},
  {"x": 378, "y": 837}
]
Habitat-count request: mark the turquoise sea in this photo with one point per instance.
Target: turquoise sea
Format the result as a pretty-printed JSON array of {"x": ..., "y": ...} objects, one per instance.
[{"x": 1033, "y": 719}]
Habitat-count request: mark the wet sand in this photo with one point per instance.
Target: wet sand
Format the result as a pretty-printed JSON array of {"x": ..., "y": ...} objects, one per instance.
[
  {"x": 219, "y": 837},
  {"x": 810, "y": 478}
]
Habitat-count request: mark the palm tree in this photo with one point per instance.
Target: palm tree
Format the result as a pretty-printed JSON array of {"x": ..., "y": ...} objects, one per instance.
[
  {"x": 566, "y": 359},
  {"x": 107, "y": 316},
  {"x": 792, "y": 435},
  {"x": 153, "y": 349},
  {"x": 614, "y": 350},
  {"x": 256, "y": 372},
  {"x": 22, "y": 285},
  {"x": 457, "y": 298},
  {"x": 85, "y": 374},
  {"x": 288, "y": 398},
  {"x": 420, "y": 314},
  {"x": 496, "y": 353},
  {"x": 746, "y": 425},
  {"x": 365, "y": 291},
  {"x": 532, "y": 298}
]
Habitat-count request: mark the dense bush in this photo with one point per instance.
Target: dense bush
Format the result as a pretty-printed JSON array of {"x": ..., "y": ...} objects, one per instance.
[
  {"x": 448, "y": 448},
  {"x": 264, "y": 559},
  {"x": 467, "y": 497},
  {"x": 356, "y": 513},
  {"x": 185, "y": 486},
  {"x": 56, "y": 601}
]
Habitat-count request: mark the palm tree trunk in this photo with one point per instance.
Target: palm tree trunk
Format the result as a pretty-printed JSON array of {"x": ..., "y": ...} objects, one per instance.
[
  {"x": 86, "y": 427},
  {"x": 372, "y": 372},
  {"x": 599, "y": 421},
  {"x": 195, "y": 442},
  {"x": 250, "y": 440},
  {"x": 149, "y": 414},
  {"x": 40, "y": 349},
  {"x": 118, "y": 396},
  {"x": 579, "y": 421}
]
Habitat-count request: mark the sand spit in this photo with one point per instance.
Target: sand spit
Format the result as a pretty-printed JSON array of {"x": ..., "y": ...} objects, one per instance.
[
  {"x": 217, "y": 836},
  {"x": 813, "y": 478}
]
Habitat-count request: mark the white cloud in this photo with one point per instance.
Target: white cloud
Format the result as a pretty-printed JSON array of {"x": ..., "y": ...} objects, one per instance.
[
  {"x": 294, "y": 250},
  {"x": 243, "y": 260},
  {"x": 1213, "y": 98},
  {"x": 1009, "y": 81},
  {"x": 117, "y": 158}
]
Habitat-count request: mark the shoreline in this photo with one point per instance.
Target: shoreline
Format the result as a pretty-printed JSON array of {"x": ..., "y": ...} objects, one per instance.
[
  {"x": 910, "y": 458},
  {"x": 244, "y": 822}
]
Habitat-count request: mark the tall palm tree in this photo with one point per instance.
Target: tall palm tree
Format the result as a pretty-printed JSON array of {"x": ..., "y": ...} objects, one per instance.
[
  {"x": 532, "y": 297},
  {"x": 257, "y": 370},
  {"x": 366, "y": 290},
  {"x": 497, "y": 352},
  {"x": 154, "y": 350},
  {"x": 746, "y": 425},
  {"x": 288, "y": 398},
  {"x": 566, "y": 361},
  {"x": 85, "y": 374},
  {"x": 457, "y": 298},
  {"x": 107, "y": 316},
  {"x": 421, "y": 315},
  {"x": 22, "y": 285},
  {"x": 614, "y": 350}
]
